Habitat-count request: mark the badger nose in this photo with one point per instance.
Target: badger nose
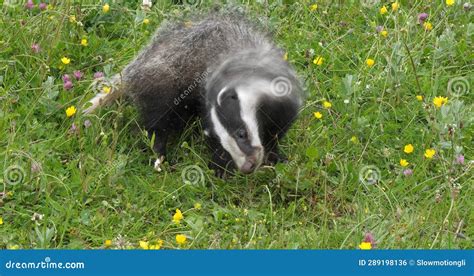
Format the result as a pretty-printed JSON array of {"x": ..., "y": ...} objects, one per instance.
[{"x": 249, "y": 165}]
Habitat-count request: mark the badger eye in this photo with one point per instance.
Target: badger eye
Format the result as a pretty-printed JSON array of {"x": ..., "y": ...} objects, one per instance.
[{"x": 242, "y": 134}]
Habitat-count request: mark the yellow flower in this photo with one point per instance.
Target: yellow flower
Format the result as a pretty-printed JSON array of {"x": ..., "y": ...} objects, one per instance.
[
  {"x": 178, "y": 216},
  {"x": 106, "y": 89},
  {"x": 384, "y": 33},
  {"x": 106, "y": 8},
  {"x": 181, "y": 239},
  {"x": 428, "y": 26},
  {"x": 440, "y": 101},
  {"x": 450, "y": 2},
  {"x": 313, "y": 7},
  {"x": 383, "y": 10},
  {"x": 354, "y": 139},
  {"x": 197, "y": 206},
  {"x": 146, "y": 21},
  {"x": 1, "y": 220},
  {"x": 65, "y": 60},
  {"x": 143, "y": 244},
  {"x": 318, "y": 115},
  {"x": 429, "y": 153},
  {"x": 365, "y": 245},
  {"x": 395, "y": 6},
  {"x": 318, "y": 60},
  {"x": 13, "y": 247},
  {"x": 404, "y": 162},
  {"x": 285, "y": 56},
  {"x": 419, "y": 97},
  {"x": 108, "y": 243},
  {"x": 156, "y": 245},
  {"x": 408, "y": 148},
  {"x": 370, "y": 62},
  {"x": 70, "y": 111},
  {"x": 84, "y": 42},
  {"x": 72, "y": 19},
  {"x": 327, "y": 104}
]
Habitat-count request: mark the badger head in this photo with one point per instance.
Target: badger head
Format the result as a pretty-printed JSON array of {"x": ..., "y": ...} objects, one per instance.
[{"x": 234, "y": 122}]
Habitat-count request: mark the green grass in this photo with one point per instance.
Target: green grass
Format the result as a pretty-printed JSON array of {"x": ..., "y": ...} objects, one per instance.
[{"x": 97, "y": 183}]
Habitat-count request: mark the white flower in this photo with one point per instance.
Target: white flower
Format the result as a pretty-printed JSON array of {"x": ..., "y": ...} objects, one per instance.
[{"x": 147, "y": 3}]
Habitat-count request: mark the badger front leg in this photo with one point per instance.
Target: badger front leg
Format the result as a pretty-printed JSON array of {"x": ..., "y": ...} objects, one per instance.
[
  {"x": 159, "y": 146},
  {"x": 272, "y": 153}
]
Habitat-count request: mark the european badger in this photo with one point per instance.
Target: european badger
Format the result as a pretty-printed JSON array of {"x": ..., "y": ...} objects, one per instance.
[{"x": 223, "y": 70}]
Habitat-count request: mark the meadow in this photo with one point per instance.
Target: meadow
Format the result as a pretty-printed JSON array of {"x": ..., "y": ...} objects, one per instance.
[{"x": 380, "y": 156}]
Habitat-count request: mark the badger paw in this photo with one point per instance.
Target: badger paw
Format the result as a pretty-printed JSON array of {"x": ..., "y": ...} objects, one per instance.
[{"x": 158, "y": 163}]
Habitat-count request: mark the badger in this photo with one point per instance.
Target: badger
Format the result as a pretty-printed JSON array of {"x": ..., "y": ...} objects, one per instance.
[{"x": 220, "y": 68}]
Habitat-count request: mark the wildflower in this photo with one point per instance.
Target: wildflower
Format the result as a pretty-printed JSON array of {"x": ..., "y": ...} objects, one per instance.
[
  {"x": 178, "y": 216},
  {"x": 197, "y": 206},
  {"x": 467, "y": 6},
  {"x": 65, "y": 60},
  {"x": 408, "y": 148},
  {"x": 407, "y": 172},
  {"x": 384, "y": 33},
  {"x": 35, "y": 48},
  {"x": 404, "y": 162},
  {"x": 29, "y": 5},
  {"x": 460, "y": 159},
  {"x": 428, "y": 26},
  {"x": 313, "y": 7},
  {"x": 106, "y": 89},
  {"x": 72, "y": 19},
  {"x": 105, "y": 8},
  {"x": 429, "y": 153},
  {"x": 370, "y": 62},
  {"x": 440, "y": 101},
  {"x": 285, "y": 56},
  {"x": 98, "y": 75},
  {"x": 383, "y": 10},
  {"x": 13, "y": 247},
  {"x": 70, "y": 111},
  {"x": 77, "y": 75},
  {"x": 395, "y": 6},
  {"x": 181, "y": 239},
  {"x": 143, "y": 244},
  {"x": 84, "y": 42},
  {"x": 370, "y": 239},
  {"x": 422, "y": 17},
  {"x": 146, "y": 21},
  {"x": 155, "y": 246},
  {"x": 68, "y": 85},
  {"x": 87, "y": 123},
  {"x": 419, "y": 97},
  {"x": 365, "y": 245},
  {"x": 327, "y": 104},
  {"x": 1, "y": 220},
  {"x": 378, "y": 29},
  {"x": 318, "y": 60},
  {"x": 42, "y": 6},
  {"x": 147, "y": 3},
  {"x": 354, "y": 139},
  {"x": 318, "y": 115},
  {"x": 108, "y": 243},
  {"x": 73, "y": 129},
  {"x": 450, "y": 2},
  {"x": 66, "y": 78}
]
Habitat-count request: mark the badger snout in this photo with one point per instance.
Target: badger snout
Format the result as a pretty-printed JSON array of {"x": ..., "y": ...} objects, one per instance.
[{"x": 252, "y": 162}]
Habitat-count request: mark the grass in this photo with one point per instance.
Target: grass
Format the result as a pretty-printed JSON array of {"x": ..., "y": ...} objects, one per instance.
[{"x": 94, "y": 187}]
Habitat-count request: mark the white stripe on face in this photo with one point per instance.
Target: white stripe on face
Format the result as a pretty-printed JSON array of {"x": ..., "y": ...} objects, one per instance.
[{"x": 227, "y": 142}]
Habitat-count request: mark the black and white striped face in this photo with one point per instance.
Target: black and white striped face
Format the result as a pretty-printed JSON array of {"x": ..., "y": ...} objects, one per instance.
[{"x": 234, "y": 119}]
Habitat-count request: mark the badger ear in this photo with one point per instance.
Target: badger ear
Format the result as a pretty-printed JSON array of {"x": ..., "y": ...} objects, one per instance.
[{"x": 224, "y": 94}]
